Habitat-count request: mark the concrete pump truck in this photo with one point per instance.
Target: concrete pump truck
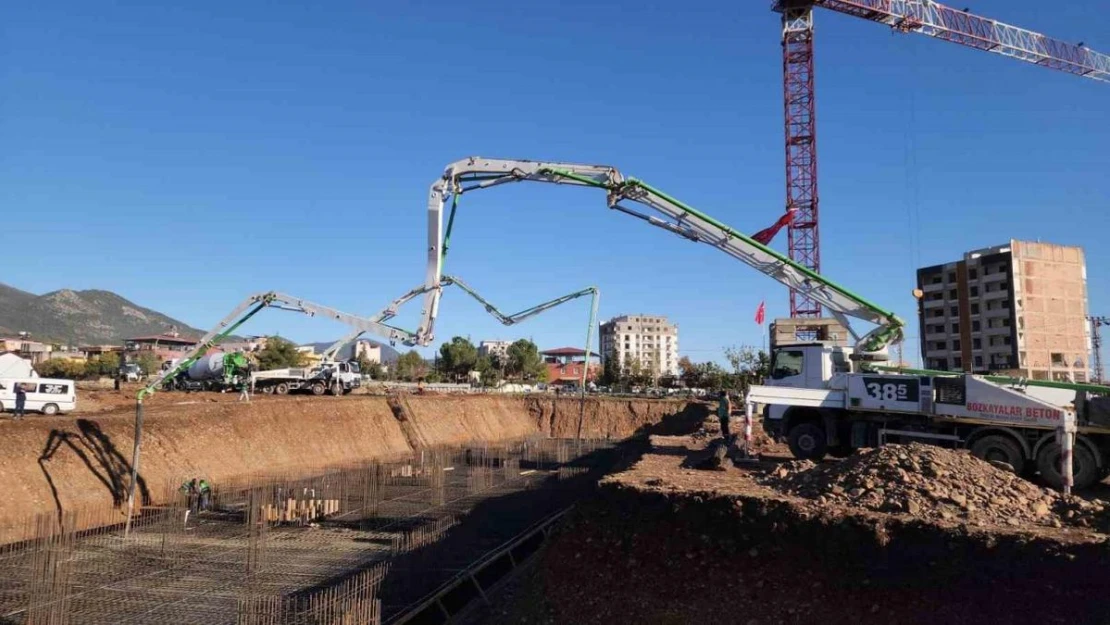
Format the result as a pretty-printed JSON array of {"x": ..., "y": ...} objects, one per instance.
[{"x": 821, "y": 398}]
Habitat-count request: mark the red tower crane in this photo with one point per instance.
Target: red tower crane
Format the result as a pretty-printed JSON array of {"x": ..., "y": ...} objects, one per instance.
[{"x": 908, "y": 16}]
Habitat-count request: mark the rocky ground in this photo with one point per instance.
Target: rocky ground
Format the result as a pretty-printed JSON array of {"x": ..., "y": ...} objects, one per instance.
[{"x": 928, "y": 482}]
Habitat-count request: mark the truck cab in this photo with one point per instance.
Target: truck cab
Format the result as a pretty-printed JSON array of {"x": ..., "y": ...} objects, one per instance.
[{"x": 808, "y": 365}]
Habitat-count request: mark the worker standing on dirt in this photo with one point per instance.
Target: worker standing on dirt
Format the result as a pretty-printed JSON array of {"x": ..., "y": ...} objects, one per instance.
[
  {"x": 724, "y": 411},
  {"x": 244, "y": 392},
  {"x": 20, "y": 400}
]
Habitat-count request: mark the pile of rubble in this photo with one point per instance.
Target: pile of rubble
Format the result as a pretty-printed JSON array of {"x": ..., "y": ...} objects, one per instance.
[{"x": 935, "y": 483}]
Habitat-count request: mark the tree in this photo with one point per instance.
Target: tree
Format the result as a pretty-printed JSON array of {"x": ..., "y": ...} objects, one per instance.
[
  {"x": 688, "y": 372},
  {"x": 458, "y": 357},
  {"x": 525, "y": 362},
  {"x": 488, "y": 371},
  {"x": 279, "y": 354},
  {"x": 60, "y": 368},
  {"x": 610, "y": 371},
  {"x": 411, "y": 366},
  {"x": 149, "y": 363},
  {"x": 104, "y": 364},
  {"x": 749, "y": 366}
]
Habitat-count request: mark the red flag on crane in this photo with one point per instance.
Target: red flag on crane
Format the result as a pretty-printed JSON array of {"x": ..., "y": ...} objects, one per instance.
[
  {"x": 767, "y": 234},
  {"x": 761, "y": 312}
]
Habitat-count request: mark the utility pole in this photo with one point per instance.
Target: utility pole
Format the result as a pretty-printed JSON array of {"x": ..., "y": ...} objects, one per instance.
[{"x": 1096, "y": 345}]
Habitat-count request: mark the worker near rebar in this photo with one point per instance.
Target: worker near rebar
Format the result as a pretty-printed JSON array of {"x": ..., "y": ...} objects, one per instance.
[
  {"x": 724, "y": 411},
  {"x": 190, "y": 489},
  {"x": 205, "y": 492},
  {"x": 20, "y": 400}
]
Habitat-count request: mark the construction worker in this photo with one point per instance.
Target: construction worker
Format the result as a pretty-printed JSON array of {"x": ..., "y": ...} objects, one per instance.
[
  {"x": 192, "y": 492},
  {"x": 20, "y": 400},
  {"x": 205, "y": 492},
  {"x": 244, "y": 392},
  {"x": 724, "y": 411}
]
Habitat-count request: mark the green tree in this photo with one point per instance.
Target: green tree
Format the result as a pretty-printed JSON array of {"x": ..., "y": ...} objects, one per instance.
[
  {"x": 411, "y": 366},
  {"x": 487, "y": 368},
  {"x": 60, "y": 368},
  {"x": 525, "y": 363},
  {"x": 610, "y": 371},
  {"x": 749, "y": 366},
  {"x": 149, "y": 363},
  {"x": 279, "y": 354},
  {"x": 109, "y": 363},
  {"x": 458, "y": 357}
]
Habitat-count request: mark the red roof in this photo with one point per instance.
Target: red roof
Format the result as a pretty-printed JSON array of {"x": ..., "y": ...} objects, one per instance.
[
  {"x": 567, "y": 351},
  {"x": 164, "y": 338}
]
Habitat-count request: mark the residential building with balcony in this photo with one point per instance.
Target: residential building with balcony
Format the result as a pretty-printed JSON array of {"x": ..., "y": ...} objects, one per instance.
[
  {"x": 645, "y": 342},
  {"x": 1017, "y": 309}
]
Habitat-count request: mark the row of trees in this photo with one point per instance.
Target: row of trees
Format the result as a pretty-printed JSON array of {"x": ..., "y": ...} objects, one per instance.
[
  {"x": 747, "y": 365},
  {"x": 457, "y": 358},
  {"x": 107, "y": 364}
]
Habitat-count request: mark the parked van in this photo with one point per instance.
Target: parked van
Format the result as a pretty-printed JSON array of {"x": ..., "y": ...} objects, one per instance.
[{"x": 45, "y": 395}]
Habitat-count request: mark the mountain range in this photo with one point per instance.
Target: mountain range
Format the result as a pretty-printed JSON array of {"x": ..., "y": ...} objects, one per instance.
[
  {"x": 94, "y": 317},
  {"x": 88, "y": 317}
]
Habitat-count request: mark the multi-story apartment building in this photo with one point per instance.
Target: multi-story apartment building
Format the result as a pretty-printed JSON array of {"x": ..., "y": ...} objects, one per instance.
[
  {"x": 649, "y": 340},
  {"x": 494, "y": 348},
  {"x": 1019, "y": 308}
]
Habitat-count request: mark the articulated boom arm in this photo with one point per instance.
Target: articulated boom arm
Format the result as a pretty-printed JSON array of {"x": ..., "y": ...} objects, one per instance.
[
  {"x": 255, "y": 304},
  {"x": 479, "y": 173},
  {"x": 391, "y": 311},
  {"x": 983, "y": 33}
]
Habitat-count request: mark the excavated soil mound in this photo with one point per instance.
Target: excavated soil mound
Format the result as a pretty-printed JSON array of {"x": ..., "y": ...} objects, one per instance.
[{"x": 934, "y": 483}]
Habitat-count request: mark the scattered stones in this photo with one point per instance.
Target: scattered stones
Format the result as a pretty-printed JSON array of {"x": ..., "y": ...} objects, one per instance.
[{"x": 935, "y": 483}]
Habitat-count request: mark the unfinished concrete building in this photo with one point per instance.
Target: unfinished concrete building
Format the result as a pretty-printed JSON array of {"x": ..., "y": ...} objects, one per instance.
[{"x": 1019, "y": 309}]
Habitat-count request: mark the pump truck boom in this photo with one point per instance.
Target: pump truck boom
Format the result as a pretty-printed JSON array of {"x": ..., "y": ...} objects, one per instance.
[{"x": 822, "y": 398}]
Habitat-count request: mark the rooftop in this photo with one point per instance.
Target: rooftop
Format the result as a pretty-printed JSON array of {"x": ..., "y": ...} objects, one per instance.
[{"x": 567, "y": 351}]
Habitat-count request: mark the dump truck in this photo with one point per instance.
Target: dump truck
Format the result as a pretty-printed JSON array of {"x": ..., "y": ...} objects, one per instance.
[{"x": 337, "y": 378}]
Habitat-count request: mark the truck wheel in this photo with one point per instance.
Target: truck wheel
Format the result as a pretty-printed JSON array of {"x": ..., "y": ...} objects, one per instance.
[
  {"x": 999, "y": 448},
  {"x": 1084, "y": 468},
  {"x": 282, "y": 388},
  {"x": 50, "y": 409},
  {"x": 807, "y": 441},
  {"x": 319, "y": 388}
]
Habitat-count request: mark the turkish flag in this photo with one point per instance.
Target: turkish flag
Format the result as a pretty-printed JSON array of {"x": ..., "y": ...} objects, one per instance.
[
  {"x": 767, "y": 234},
  {"x": 761, "y": 313}
]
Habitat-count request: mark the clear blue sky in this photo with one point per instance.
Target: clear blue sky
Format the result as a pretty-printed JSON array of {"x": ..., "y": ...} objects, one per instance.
[{"x": 188, "y": 154}]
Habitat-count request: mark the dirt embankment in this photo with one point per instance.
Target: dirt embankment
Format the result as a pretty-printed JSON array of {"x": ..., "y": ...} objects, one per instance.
[
  {"x": 613, "y": 418},
  {"x": 63, "y": 463}
]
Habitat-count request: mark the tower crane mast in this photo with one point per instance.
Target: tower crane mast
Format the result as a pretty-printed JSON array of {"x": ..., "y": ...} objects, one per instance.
[{"x": 907, "y": 16}]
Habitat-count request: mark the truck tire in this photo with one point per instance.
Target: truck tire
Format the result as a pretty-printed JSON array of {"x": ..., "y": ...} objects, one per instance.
[
  {"x": 282, "y": 388},
  {"x": 50, "y": 409},
  {"x": 1084, "y": 468},
  {"x": 319, "y": 389},
  {"x": 999, "y": 448},
  {"x": 807, "y": 441}
]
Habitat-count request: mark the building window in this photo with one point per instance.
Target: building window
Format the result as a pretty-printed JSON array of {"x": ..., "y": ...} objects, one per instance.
[
  {"x": 972, "y": 274},
  {"x": 976, "y": 343},
  {"x": 955, "y": 328},
  {"x": 978, "y": 361},
  {"x": 938, "y": 312},
  {"x": 1005, "y": 303},
  {"x": 937, "y": 279},
  {"x": 1057, "y": 359},
  {"x": 975, "y": 326},
  {"x": 975, "y": 309},
  {"x": 974, "y": 291},
  {"x": 954, "y": 311},
  {"x": 957, "y": 363},
  {"x": 956, "y": 345},
  {"x": 951, "y": 276}
]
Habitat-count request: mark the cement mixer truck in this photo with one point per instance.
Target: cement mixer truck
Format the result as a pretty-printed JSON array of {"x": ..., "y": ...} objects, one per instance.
[{"x": 215, "y": 372}]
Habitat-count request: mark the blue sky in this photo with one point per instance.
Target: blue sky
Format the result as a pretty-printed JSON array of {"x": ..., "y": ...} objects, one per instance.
[{"x": 187, "y": 155}]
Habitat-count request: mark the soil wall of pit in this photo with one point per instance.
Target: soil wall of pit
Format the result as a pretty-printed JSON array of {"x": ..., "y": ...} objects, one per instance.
[
  {"x": 653, "y": 556},
  {"x": 49, "y": 464}
]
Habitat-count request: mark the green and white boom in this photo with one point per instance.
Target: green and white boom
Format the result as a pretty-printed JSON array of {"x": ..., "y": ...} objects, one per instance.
[
  {"x": 475, "y": 173},
  {"x": 506, "y": 319}
]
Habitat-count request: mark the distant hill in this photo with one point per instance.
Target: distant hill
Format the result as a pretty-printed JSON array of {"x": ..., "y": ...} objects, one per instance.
[
  {"x": 81, "y": 317},
  {"x": 389, "y": 355}
]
